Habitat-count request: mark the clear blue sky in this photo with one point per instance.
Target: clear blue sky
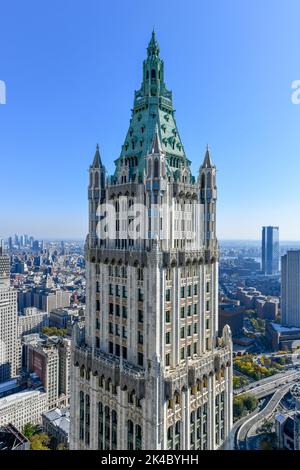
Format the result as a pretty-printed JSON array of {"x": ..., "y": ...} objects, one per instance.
[{"x": 71, "y": 67}]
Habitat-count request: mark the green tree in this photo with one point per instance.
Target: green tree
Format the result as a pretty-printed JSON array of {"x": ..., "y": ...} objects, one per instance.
[
  {"x": 39, "y": 442},
  {"x": 29, "y": 430},
  {"x": 250, "y": 401},
  {"x": 62, "y": 447},
  {"x": 238, "y": 408},
  {"x": 54, "y": 331}
]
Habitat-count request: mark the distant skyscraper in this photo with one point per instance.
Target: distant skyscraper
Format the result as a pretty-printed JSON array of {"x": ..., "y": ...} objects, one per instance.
[
  {"x": 290, "y": 288},
  {"x": 9, "y": 344},
  {"x": 270, "y": 250}
]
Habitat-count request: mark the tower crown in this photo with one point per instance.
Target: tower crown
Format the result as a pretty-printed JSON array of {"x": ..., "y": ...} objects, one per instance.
[{"x": 153, "y": 109}]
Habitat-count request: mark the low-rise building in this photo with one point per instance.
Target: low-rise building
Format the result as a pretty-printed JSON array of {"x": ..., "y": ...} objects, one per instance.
[
  {"x": 23, "y": 407},
  {"x": 232, "y": 315},
  {"x": 282, "y": 337},
  {"x": 32, "y": 321},
  {"x": 56, "y": 424}
]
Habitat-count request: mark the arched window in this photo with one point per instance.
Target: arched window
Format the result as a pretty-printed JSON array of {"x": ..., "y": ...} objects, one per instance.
[
  {"x": 147, "y": 74},
  {"x": 96, "y": 179},
  {"x": 153, "y": 73},
  {"x": 203, "y": 181},
  {"x": 209, "y": 180},
  {"x": 156, "y": 168},
  {"x": 82, "y": 371},
  {"x": 149, "y": 168}
]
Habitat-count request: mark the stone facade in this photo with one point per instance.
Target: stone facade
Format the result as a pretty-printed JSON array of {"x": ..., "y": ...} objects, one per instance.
[{"x": 149, "y": 370}]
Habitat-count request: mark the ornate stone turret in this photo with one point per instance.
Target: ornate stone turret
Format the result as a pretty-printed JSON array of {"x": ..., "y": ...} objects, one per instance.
[
  {"x": 96, "y": 192},
  {"x": 208, "y": 197}
]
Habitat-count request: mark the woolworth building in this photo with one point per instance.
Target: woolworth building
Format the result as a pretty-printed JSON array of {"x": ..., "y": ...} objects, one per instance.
[{"x": 149, "y": 370}]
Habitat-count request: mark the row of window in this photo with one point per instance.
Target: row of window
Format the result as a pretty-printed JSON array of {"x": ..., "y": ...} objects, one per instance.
[
  {"x": 118, "y": 290},
  {"x": 117, "y": 271}
]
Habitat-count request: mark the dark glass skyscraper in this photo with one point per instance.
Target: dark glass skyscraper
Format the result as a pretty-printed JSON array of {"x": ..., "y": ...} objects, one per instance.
[{"x": 270, "y": 250}]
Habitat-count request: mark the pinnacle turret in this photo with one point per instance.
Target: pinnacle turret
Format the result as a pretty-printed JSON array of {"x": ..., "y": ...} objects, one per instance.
[
  {"x": 156, "y": 144},
  {"x": 153, "y": 47},
  {"x": 97, "y": 159},
  {"x": 207, "y": 162}
]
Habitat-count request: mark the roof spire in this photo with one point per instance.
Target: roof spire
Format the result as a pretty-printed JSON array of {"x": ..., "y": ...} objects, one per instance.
[
  {"x": 207, "y": 162},
  {"x": 156, "y": 144},
  {"x": 97, "y": 159},
  {"x": 153, "y": 48}
]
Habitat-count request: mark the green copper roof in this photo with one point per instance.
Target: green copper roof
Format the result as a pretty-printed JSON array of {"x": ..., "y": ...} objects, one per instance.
[{"x": 152, "y": 107}]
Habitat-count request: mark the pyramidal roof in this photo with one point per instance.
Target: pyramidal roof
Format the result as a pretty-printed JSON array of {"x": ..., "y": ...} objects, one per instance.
[
  {"x": 97, "y": 159},
  {"x": 152, "y": 113},
  {"x": 207, "y": 162}
]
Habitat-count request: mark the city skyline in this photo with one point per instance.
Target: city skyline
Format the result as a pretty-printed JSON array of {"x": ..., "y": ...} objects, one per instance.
[{"x": 49, "y": 128}]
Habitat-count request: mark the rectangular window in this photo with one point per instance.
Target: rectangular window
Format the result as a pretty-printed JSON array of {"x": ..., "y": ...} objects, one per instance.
[
  {"x": 140, "y": 337},
  {"x": 182, "y": 353},
  {"x": 140, "y": 316},
  {"x": 195, "y": 309},
  {"x": 140, "y": 295},
  {"x": 182, "y": 332},
  {"x": 168, "y": 295},
  {"x": 195, "y": 327},
  {"x": 111, "y": 309},
  {"x": 189, "y": 310},
  {"x": 117, "y": 310},
  {"x": 117, "y": 350},
  {"x": 182, "y": 292},
  {"x": 110, "y": 328},
  {"x": 167, "y": 360},
  {"x": 168, "y": 337},
  {"x": 117, "y": 290},
  {"x": 195, "y": 289},
  {"x": 140, "y": 359},
  {"x": 111, "y": 347},
  {"x": 168, "y": 316},
  {"x": 124, "y": 352},
  {"x": 182, "y": 312},
  {"x": 207, "y": 305},
  {"x": 124, "y": 292},
  {"x": 189, "y": 350},
  {"x": 117, "y": 329},
  {"x": 195, "y": 348},
  {"x": 111, "y": 289},
  {"x": 124, "y": 311},
  {"x": 189, "y": 291},
  {"x": 124, "y": 332}
]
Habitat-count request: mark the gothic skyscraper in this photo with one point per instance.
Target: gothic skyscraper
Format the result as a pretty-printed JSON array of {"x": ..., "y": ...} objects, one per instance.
[{"x": 149, "y": 370}]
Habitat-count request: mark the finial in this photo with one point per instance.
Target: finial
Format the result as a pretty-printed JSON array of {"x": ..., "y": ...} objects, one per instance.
[
  {"x": 153, "y": 48},
  {"x": 156, "y": 145}
]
